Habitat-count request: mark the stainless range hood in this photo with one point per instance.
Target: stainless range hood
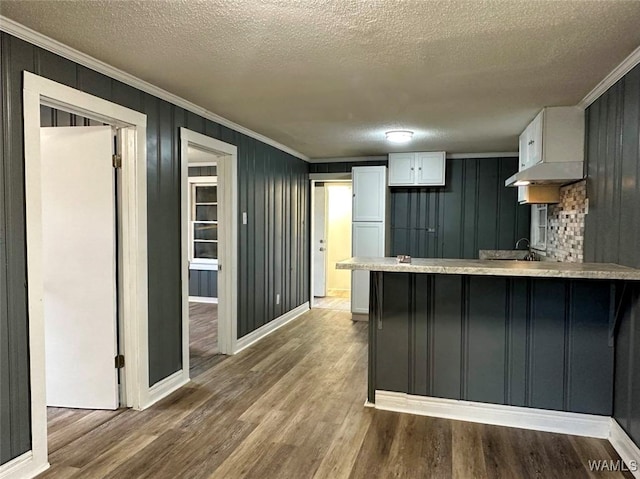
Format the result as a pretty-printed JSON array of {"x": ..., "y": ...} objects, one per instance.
[{"x": 559, "y": 173}]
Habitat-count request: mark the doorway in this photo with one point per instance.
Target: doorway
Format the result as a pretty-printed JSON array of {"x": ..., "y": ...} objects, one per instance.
[
  {"x": 204, "y": 205},
  {"x": 131, "y": 305},
  {"x": 331, "y": 243},
  {"x": 209, "y": 250}
]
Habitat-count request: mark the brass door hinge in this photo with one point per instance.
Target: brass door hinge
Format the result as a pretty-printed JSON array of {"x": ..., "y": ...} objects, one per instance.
[
  {"x": 117, "y": 161},
  {"x": 119, "y": 361}
]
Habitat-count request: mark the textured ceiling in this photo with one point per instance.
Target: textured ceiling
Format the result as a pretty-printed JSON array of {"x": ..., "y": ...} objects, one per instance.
[{"x": 328, "y": 77}]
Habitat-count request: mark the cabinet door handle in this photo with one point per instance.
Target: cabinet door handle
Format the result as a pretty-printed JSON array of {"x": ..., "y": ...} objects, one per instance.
[{"x": 412, "y": 168}]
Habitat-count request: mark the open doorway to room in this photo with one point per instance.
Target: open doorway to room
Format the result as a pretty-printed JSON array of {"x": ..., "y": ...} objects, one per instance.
[
  {"x": 203, "y": 259},
  {"x": 209, "y": 250},
  {"x": 331, "y": 243},
  {"x": 86, "y": 242}
]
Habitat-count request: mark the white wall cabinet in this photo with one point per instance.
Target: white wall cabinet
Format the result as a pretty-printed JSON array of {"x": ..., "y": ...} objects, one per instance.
[
  {"x": 417, "y": 169},
  {"x": 556, "y": 135}
]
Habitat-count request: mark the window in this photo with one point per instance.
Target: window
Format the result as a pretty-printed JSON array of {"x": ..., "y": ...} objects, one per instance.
[
  {"x": 203, "y": 221},
  {"x": 539, "y": 227}
]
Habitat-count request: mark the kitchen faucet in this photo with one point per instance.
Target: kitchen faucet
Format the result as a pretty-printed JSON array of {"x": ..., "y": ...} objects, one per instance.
[{"x": 530, "y": 256}]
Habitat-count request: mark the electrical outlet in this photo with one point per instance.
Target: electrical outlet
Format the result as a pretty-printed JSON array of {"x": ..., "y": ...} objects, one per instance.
[{"x": 278, "y": 298}]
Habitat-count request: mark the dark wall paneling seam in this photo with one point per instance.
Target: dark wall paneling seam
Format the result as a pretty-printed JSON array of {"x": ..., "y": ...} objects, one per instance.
[
  {"x": 472, "y": 211},
  {"x": 474, "y": 338},
  {"x": 15, "y": 415},
  {"x": 612, "y": 227},
  {"x": 164, "y": 121}
]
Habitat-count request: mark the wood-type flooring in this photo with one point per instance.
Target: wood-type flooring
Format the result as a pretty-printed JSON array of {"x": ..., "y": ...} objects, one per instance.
[{"x": 292, "y": 406}]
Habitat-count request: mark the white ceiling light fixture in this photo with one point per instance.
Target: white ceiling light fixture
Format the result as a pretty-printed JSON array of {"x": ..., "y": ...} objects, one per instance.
[{"x": 399, "y": 136}]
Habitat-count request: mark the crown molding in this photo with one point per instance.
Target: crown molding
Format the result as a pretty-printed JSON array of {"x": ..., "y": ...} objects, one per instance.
[
  {"x": 607, "y": 82},
  {"x": 348, "y": 159},
  {"x": 38, "y": 39},
  {"x": 451, "y": 156},
  {"x": 471, "y": 156}
]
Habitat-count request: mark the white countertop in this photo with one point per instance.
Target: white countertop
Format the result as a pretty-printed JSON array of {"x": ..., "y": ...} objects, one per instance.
[{"x": 536, "y": 269}]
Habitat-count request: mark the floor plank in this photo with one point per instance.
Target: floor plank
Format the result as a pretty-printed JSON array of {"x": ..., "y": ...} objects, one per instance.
[{"x": 292, "y": 406}]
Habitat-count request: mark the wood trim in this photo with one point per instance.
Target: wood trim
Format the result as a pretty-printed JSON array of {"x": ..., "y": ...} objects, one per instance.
[
  {"x": 166, "y": 386},
  {"x": 35, "y": 38},
  {"x": 21, "y": 467},
  {"x": 203, "y": 299},
  {"x": 499, "y": 415},
  {"x": 134, "y": 291},
  {"x": 612, "y": 78},
  {"x": 255, "y": 336},
  {"x": 629, "y": 452}
]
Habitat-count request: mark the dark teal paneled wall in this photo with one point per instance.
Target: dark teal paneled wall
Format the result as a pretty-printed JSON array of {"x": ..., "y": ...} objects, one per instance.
[
  {"x": 612, "y": 229},
  {"x": 473, "y": 211},
  {"x": 273, "y": 246},
  {"x": 533, "y": 342}
]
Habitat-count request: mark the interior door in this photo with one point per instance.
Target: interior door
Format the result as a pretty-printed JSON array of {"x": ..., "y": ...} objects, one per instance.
[
  {"x": 79, "y": 262},
  {"x": 320, "y": 242}
]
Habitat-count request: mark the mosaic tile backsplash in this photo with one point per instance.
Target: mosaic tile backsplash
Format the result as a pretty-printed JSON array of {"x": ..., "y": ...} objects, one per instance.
[{"x": 565, "y": 232}]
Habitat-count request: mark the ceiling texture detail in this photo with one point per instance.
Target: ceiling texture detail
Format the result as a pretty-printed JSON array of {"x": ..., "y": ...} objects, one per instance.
[{"x": 329, "y": 77}]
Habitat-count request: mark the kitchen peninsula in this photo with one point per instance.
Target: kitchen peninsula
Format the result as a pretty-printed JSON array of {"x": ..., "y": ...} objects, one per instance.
[{"x": 529, "y": 334}]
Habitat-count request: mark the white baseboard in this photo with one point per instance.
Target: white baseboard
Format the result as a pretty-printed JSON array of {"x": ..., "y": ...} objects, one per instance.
[
  {"x": 497, "y": 414},
  {"x": 166, "y": 386},
  {"x": 21, "y": 467},
  {"x": 625, "y": 447},
  {"x": 254, "y": 336},
  {"x": 202, "y": 299}
]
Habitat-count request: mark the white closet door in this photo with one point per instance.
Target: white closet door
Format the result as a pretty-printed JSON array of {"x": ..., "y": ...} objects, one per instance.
[{"x": 79, "y": 262}]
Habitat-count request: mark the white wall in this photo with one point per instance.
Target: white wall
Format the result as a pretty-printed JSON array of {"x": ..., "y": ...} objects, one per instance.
[{"x": 339, "y": 234}]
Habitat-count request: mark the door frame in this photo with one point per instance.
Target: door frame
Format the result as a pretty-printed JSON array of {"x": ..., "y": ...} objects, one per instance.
[
  {"x": 133, "y": 291},
  {"x": 227, "y": 171},
  {"x": 313, "y": 179}
]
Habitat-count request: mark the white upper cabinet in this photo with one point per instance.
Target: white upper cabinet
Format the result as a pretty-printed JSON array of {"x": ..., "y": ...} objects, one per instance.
[
  {"x": 417, "y": 169},
  {"x": 531, "y": 143},
  {"x": 369, "y": 185}
]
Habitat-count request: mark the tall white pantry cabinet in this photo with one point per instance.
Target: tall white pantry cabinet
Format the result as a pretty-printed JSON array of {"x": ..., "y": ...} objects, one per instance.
[{"x": 370, "y": 214}]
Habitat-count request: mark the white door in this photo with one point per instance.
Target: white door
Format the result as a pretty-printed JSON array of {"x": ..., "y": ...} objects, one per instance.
[
  {"x": 368, "y": 240},
  {"x": 79, "y": 263},
  {"x": 369, "y": 190},
  {"x": 320, "y": 242}
]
